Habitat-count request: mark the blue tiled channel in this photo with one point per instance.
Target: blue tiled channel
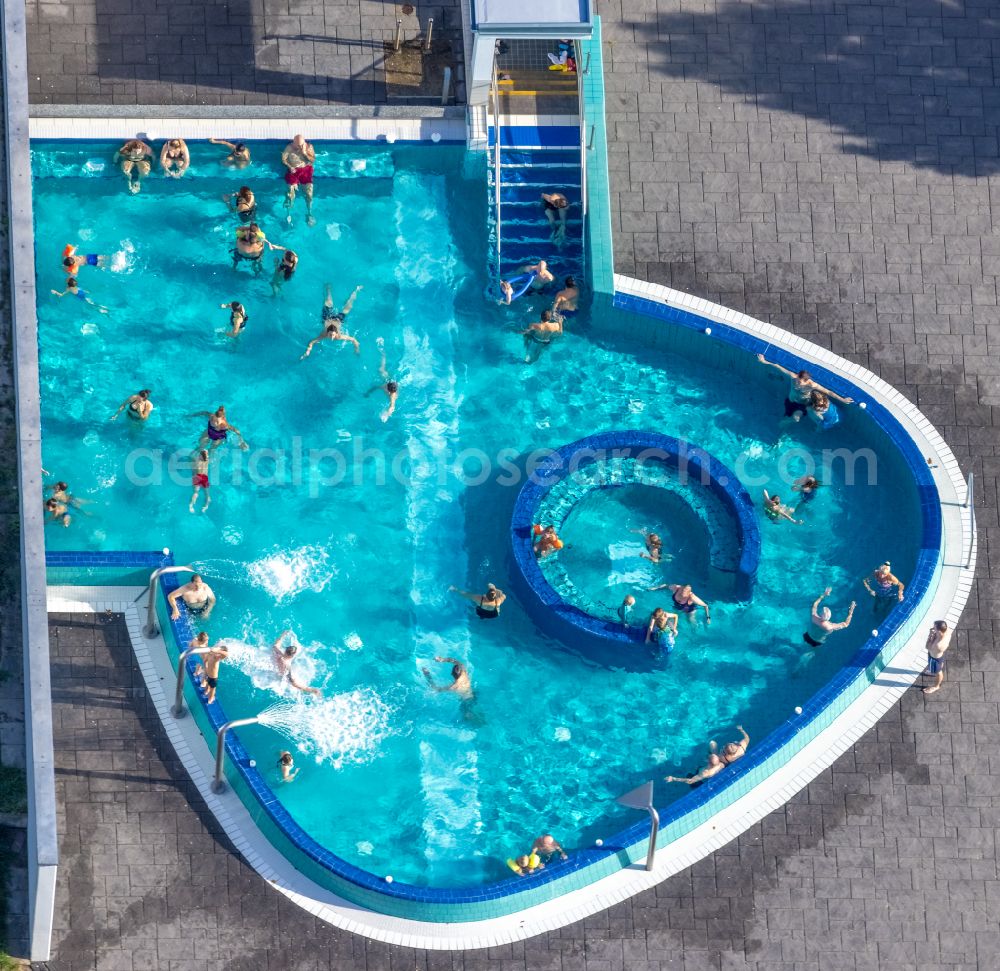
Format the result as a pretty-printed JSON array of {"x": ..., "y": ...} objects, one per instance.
[{"x": 587, "y": 865}]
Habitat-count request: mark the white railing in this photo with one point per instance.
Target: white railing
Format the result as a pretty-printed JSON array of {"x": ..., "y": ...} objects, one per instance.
[
  {"x": 495, "y": 99},
  {"x": 970, "y": 504},
  {"x": 583, "y": 126}
]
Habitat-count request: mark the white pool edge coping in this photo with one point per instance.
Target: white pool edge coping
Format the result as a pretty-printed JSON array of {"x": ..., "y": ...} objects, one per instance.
[{"x": 947, "y": 601}]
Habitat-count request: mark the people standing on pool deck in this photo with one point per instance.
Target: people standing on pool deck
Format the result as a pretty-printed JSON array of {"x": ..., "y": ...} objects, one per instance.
[
  {"x": 250, "y": 242},
  {"x": 133, "y": 158},
  {"x": 239, "y": 154},
  {"x": 662, "y": 629},
  {"x": 73, "y": 289},
  {"x": 58, "y": 511},
  {"x": 685, "y": 600},
  {"x": 71, "y": 263},
  {"x": 461, "y": 684},
  {"x": 487, "y": 604},
  {"x": 539, "y": 336},
  {"x": 208, "y": 669},
  {"x": 243, "y": 203},
  {"x": 625, "y": 609},
  {"x": 217, "y": 429},
  {"x": 776, "y": 511},
  {"x": 806, "y": 487},
  {"x": 199, "y": 480},
  {"x": 388, "y": 385},
  {"x": 938, "y": 642},
  {"x": 546, "y": 847},
  {"x": 556, "y": 205},
  {"x": 732, "y": 750},
  {"x": 888, "y": 588},
  {"x": 565, "y": 302},
  {"x": 175, "y": 158},
  {"x": 332, "y": 320},
  {"x": 822, "y": 625},
  {"x": 800, "y": 390},
  {"x": 284, "y": 655},
  {"x": 139, "y": 406},
  {"x": 197, "y": 596},
  {"x": 238, "y": 317},
  {"x": 286, "y": 767},
  {"x": 284, "y": 270},
  {"x": 546, "y": 541},
  {"x": 298, "y": 158}
]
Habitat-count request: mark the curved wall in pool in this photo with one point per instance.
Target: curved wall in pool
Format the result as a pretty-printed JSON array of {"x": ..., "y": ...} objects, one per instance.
[
  {"x": 730, "y": 346},
  {"x": 699, "y": 471}
]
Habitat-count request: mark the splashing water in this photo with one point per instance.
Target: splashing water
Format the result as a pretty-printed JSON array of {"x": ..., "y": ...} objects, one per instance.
[
  {"x": 285, "y": 574},
  {"x": 347, "y": 728}
]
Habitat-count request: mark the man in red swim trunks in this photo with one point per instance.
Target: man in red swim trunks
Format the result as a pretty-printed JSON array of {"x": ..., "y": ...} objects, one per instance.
[{"x": 298, "y": 158}]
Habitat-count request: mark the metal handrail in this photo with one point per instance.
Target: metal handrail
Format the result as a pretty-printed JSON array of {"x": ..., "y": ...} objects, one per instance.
[
  {"x": 220, "y": 748},
  {"x": 152, "y": 629},
  {"x": 970, "y": 505},
  {"x": 495, "y": 98},
  {"x": 178, "y": 709},
  {"x": 583, "y": 127}
]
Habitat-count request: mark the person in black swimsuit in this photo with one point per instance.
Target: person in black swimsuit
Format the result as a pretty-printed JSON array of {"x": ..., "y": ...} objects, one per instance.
[
  {"x": 488, "y": 604},
  {"x": 238, "y": 317},
  {"x": 685, "y": 600}
]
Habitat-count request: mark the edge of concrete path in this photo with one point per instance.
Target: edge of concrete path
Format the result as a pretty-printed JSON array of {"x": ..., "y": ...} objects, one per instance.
[{"x": 235, "y": 113}]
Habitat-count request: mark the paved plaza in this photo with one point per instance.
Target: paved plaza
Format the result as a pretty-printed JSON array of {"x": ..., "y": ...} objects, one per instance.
[{"x": 831, "y": 168}]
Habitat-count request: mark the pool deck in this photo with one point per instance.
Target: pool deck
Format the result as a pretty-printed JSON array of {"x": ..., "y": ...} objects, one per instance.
[{"x": 871, "y": 235}]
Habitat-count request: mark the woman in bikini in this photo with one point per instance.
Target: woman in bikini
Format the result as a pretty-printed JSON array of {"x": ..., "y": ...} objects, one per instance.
[
  {"x": 284, "y": 270},
  {"x": 243, "y": 203},
  {"x": 239, "y": 154},
  {"x": 487, "y": 604},
  {"x": 732, "y": 750},
  {"x": 806, "y": 487},
  {"x": 199, "y": 479},
  {"x": 175, "y": 158},
  {"x": 776, "y": 511},
  {"x": 887, "y": 588},
  {"x": 218, "y": 428},
  {"x": 238, "y": 317},
  {"x": 685, "y": 601},
  {"x": 139, "y": 406}
]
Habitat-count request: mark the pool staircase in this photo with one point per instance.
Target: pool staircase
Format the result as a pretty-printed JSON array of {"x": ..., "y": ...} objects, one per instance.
[{"x": 535, "y": 146}]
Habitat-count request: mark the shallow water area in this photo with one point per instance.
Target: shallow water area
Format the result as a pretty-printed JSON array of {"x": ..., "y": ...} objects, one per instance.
[{"x": 350, "y": 529}]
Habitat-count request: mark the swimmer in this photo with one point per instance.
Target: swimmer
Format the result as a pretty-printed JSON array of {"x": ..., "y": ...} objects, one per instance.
[
  {"x": 662, "y": 628},
  {"x": 542, "y": 275},
  {"x": 546, "y": 847},
  {"x": 139, "y": 406},
  {"x": 299, "y": 157},
  {"x": 199, "y": 480},
  {"x": 218, "y": 428},
  {"x": 461, "y": 684},
  {"x": 239, "y": 154},
  {"x": 197, "y": 596},
  {"x": 208, "y": 670},
  {"x": 243, "y": 203},
  {"x": 685, "y": 601},
  {"x": 286, "y": 767},
  {"x": 133, "y": 159},
  {"x": 556, "y": 206},
  {"x": 175, "y": 158},
  {"x": 819, "y": 409},
  {"x": 238, "y": 317},
  {"x": 524, "y": 865},
  {"x": 332, "y": 321},
  {"x": 714, "y": 767},
  {"x": 58, "y": 511},
  {"x": 566, "y": 299},
  {"x": 625, "y": 609},
  {"x": 283, "y": 655},
  {"x": 821, "y": 624},
  {"x": 800, "y": 389},
  {"x": 775, "y": 511},
  {"x": 73, "y": 289},
  {"x": 250, "y": 242},
  {"x": 732, "y": 750},
  {"x": 806, "y": 487},
  {"x": 539, "y": 336},
  {"x": 388, "y": 385},
  {"x": 487, "y": 604},
  {"x": 654, "y": 547},
  {"x": 547, "y": 542},
  {"x": 507, "y": 291},
  {"x": 71, "y": 263},
  {"x": 887, "y": 587},
  {"x": 284, "y": 270}
]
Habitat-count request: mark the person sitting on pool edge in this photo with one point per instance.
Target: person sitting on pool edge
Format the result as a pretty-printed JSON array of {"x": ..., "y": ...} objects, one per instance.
[
  {"x": 239, "y": 154},
  {"x": 488, "y": 604},
  {"x": 197, "y": 596},
  {"x": 546, "y": 542},
  {"x": 245, "y": 205},
  {"x": 332, "y": 321},
  {"x": 800, "y": 390}
]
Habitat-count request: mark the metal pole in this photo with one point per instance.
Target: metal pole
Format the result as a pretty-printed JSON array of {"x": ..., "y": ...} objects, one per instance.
[
  {"x": 220, "y": 749},
  {"x": 970, "y": 504},
  {"x": 178, "y": 709},
  {"x": 593, "y": 132},
  {"x": 427, "y": 38},
  {"x": 654, "y": 829},
  {"x": 152, "y": 629},
  {"x": 398, "y": 42},
  {"x": 446, "y": 86}
]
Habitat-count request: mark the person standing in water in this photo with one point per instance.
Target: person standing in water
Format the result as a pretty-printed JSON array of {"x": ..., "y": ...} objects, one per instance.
[
  {"x": 286, "y": 767},
  {"x": 139, "y": 406},
  {"x": 662, "y": 629},
  {"x": 299, "y": 157},
  {"x": 566, "y": 299},
  {"x": 197, "y": 596},
  {"x": 218, "y": 428},
  {"x": 821, "y": 624},
  {"x": 245, "y": 204},
  {"x": 539, "y": 336},
  {"x": 800, "y": 389},
  {"x": 333, "y": 321},
  {"x": 685, "y": 601},
  {"x": 208, "y": 670},
  {"x": 388, "y": 384},
  {"x": 888, "y": 588},
  {"x": 938, "y": 642},
  {"x": 625, "y": 609},
  {"x": 238, "y": 317},
  {"x": 487, "y": 604},
  {"x": 239, "y": 154},
  {"x": 284, "y": 270},
  {"x": 806, "y": 486},
  {"x": 250, "y": 242},
  {"x": 133, "y": 159},
  {"x": 58, "y": 511},
  {"x": 283, "y": 655},
  {"x": 461, "y": 683},
  {"x": 199, "y": 480},
  {"x": 654, "y": 546},
  {"x": 175, "y": 158}
]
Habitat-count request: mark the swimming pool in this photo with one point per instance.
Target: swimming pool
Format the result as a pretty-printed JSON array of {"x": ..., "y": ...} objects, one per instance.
[{"x": 360, "y": 568}]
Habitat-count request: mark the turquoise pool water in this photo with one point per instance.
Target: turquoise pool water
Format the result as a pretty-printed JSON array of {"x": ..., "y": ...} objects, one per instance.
[{"x": 304, "y": 530}]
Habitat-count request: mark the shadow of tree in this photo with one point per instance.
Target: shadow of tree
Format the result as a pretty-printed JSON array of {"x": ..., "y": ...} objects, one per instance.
[{"x": 912, "y": 81}]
